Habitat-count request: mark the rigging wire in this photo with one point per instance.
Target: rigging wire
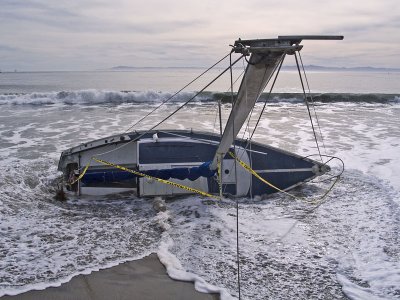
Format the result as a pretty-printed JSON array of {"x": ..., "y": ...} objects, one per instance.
[
  {"x": 198, "y": 93},
  {"x": 176, "y": 93},
  {"x": 216, "y": 113},
  {"x": 215, "y": 116},
  {"x": 308, "y": 107},
  {"x": 248, "y": 144},
  {"x": 312, "y": 102},
  {"x": 331, "y": 157},
  {"x": 252, "y": 110},
  {"x": 220, "y": 117},
  {"x": 278, "y": 67},
  {"x": 237, "y": 199},
  {"x": 175, "y": 111}
]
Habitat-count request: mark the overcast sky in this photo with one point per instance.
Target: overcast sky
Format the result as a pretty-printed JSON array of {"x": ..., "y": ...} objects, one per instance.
[{"x": 95, "y": 34}]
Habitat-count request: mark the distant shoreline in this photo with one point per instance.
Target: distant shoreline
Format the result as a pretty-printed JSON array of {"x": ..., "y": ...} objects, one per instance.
[
  {"x": 309, "y": 68},
  {"x": 284, "y": 68}
]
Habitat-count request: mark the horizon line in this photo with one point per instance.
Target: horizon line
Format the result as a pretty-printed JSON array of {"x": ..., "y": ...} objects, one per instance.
[{"x": 127, "y": 68}]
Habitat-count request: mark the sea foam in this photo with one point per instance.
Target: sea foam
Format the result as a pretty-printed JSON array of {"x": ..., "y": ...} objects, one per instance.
[{"x": 287, "y": 249}]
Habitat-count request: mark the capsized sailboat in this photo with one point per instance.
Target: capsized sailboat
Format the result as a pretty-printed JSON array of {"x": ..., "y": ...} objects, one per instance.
[{"x": 177, "y": 162}]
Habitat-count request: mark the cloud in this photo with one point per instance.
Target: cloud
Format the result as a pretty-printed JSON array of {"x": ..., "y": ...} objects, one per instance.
[
  {"x": 92, "y": 33},
  {"x": 5, "y": 48}
]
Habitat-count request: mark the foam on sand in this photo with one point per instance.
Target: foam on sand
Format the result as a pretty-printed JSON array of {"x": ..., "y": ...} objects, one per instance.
[{"x": 140, "y": 279}]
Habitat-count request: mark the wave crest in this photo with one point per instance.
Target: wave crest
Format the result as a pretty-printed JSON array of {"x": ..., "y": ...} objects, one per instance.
[
  {"x": 93, "y": 96},
  {"x": 89, "y": 97}
]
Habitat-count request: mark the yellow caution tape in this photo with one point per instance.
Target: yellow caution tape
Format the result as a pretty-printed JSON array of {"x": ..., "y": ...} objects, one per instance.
[
  {"x": 155, "y": 178},
  {"x": 249, "y": 169},
  {"x": 312, "y": 201},
  {"x": 243, "y": 164},
  {"x": 81, "y": 175}
]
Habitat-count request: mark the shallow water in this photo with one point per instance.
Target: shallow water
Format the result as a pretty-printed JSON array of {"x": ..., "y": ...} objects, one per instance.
[{"x": 346, "y": 247}]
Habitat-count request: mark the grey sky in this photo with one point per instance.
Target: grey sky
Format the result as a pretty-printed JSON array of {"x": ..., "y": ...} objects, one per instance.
[{"x": 94, "y": 34}]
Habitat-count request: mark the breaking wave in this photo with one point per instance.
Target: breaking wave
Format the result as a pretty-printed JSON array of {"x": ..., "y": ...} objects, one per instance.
[
  {"x": 96, "y": 97},
  {"x": 88, "y": 97},
  {"x": 335, "y": 97}
]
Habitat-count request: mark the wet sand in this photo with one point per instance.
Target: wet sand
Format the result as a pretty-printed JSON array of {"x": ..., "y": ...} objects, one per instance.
[{"x": 143, "y": 279}]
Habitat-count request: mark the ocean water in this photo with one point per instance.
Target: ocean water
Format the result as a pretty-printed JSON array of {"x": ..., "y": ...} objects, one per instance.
[{"x": 345, "y": 247}]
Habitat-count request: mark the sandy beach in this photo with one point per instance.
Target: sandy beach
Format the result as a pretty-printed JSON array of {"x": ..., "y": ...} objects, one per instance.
[{"x": 143, "y": 279}]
